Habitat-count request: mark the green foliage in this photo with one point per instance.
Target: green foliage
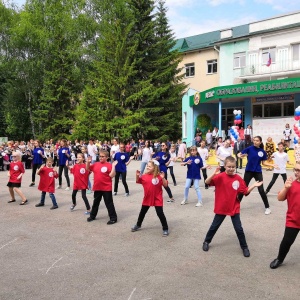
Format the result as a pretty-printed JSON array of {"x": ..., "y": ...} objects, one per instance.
[{"x": 204, "y": 123}]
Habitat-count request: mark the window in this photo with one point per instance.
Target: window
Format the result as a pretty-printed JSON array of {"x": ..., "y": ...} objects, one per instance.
[
  {"x": 288, "y": 109},
  {"x": 272, "y": 110},
  {"x": 189, "y": 70},
  {"x": 296, "y": 51},
  {"x": 265, "y": 55},
  {"x": 239, "y": 60},
  {"x": 257, "y": 111},
  {"x": 212, "y": 66}
]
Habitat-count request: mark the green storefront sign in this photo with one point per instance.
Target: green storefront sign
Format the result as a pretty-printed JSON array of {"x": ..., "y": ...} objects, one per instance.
[{"x": 256, "y": 89}]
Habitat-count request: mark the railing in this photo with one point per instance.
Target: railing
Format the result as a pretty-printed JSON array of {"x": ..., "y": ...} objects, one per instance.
[{"x": 276, "y": 67}]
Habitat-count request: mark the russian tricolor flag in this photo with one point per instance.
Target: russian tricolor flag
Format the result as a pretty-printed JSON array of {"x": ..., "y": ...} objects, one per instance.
[{"x": 269, "y": 60}]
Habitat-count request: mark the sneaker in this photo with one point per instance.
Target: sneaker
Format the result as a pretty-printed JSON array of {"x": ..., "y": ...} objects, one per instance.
[
  {"x": 172, "y": 200},
  {"x": 32, "y": 184},
  {"x": 87, "y": 213},
  {"x": 72, "y": 207},
  {"x": 135, "y": 228},
  {"x": 39, "y": 204},
  {"x": 58, "y": 187},
  {"x": 199, "y": 204},
  {"x": 165, "y": 233},
  {"x": 275, "y": 264},
  {"x": 54, "y": 207},
  {"x": 88, "y": 191},
  {"x": 127, "y": 194},
  {"x": 169, "y": 201},
  {"x": 115, "y": 193},
  {"x": 110, "y": 222},
  {"x": 67, "y": 188},
  {"x": 246, "y": 252},
  {"x": 90, "y": 219},
  {"x": 205, "y": 246},
  {"x": 267, "y": 211},
  {"x": 183, "y": 202}
]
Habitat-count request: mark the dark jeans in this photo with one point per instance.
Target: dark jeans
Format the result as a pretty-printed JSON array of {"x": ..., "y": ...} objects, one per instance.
[
  {"x": 117, "y": 177},
  {"x": 159, "y": 212},
  {"x": 274, "y": 178},
  {"x": 83, "y": 195},
  {"x": 258, "y": 177},
  {"x": 172, "y": 174},
  {"x": 168, "y": 190},
  {"x": 204, "y": 173},
  {"x": 52, "y": 196},
  {"x": 236, "y": 222},
  {"x": 66, "y": 171},
  {"x": 34, "y": 169},
  {"x": 109, "y": 203},
  {"x": 289, "y": 237}
]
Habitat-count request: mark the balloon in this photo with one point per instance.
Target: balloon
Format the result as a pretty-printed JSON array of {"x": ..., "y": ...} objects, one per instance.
[
  {"x": 238, "y": 117},
  {"x": 298, "y": 108},
  {"x": 297, "y": 113},
  {"x": 235, "y": 112},
  {"x": 239, "y": 112},
  {"x": 295, "y": 141},
  {"x": 235, "y": 121}
]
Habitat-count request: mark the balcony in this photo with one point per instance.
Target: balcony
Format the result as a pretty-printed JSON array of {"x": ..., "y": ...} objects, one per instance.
[{"x": 279, "y": 69}]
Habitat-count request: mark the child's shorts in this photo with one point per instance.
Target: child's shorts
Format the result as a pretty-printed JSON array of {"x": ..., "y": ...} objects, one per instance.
[{"x": 14, "y": 184}]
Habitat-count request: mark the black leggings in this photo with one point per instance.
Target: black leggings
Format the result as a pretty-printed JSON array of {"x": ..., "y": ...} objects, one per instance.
[
  {"x": 204, "y": 173},
  {"x": 274, "y": 178},
  {"x": 117, "y": 177},
  {"x": 172, "y": 174},
  {"x": 34, "y": 169},
  {"x": 159, "y": 212},
  {"x": 258, "y": 177},
  {"x": 83, "y": 195},
  {"x": 168, "y": 190},
  {"x": 66, "y": 171},
  {"x": 289, "y": 237}
]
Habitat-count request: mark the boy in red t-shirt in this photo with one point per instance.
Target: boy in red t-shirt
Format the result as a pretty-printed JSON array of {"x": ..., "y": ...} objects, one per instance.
[
  {"x": 48, "y": 174},
  {"x": 228, "y": 185},
  {"x": 103, "y": 174},
  {"x": 15, "y": 173}
]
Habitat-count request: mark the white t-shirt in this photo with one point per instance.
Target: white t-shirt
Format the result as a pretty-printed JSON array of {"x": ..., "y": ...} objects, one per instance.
[
  {"x": 91, "y": 149},
  {"x": 203, "y": 152},
  {"x": 146, "y": 156},
  {"x": 280, "y": 160},
  {"x": 173, "y": 155},
  {"x": 208, "y": 137},
  {"x": 114, "y": 149},
  {"x": 223, "y": 152}
]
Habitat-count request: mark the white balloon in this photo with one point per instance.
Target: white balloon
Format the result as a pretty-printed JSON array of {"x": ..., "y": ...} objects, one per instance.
[
  {"x": 239, "y": 112},
  {"x": 235, "y": 112},
  {"x": 298, "y": 108}
]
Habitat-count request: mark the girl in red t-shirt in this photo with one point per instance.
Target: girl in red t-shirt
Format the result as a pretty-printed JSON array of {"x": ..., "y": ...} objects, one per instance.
[
  {"x": 81, "y": 178},
  {"x": 15, "y": 173},
  {"x": 290, "y": 192},
  {"x": 152, "y": 182}
]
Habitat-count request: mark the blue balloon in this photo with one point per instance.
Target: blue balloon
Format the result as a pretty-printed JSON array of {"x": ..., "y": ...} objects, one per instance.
[
  {"x": 297, "y": 113},
  {"x": 238, "y": 117},
  {"x": 295, "y": 141}
]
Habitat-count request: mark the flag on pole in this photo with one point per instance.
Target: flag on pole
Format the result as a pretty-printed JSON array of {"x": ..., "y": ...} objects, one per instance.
[{"x": 269, "y": 60}]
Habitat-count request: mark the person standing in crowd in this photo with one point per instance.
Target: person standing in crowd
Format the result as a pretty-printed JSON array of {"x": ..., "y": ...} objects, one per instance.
[
  {"x": 92, "y": 150},
  {"x": 194, "y": 165},
  {"x": 248, "y": 134},
  {"x": 203, "y": 152},
  {"x": 270, "y": 148},
  {"x": 223, "y": 152},
  {"x": 81, "y": 176},
  {"x": 297, "y": 151},
  {"x": 215, "y": 135},
  {"x": 238, "y": 147},
  {"x": 146, "y": 156},
  {"x": 287, "y": 133},
  {"x": 256, "y": 156},
  {"x": 242, "y": 133},
  {"x": 290, "y": 192},
  {"x": 280, "y": 159},
  {"x": 15, "y": 174},
  {"x": 182, "y": 150},
  {"x": 163, "y": 157},
  {"x": 123, "y": 160},
  {"x": 38, "y": 156},
  {"x": 208, "y": 138},
  {"x": 103, "y": 174},
  {"x": 63, "y": 157},
  {"x": 172, "y": 162},
  {"x": 152, "y": 183},
  {"x": 228, "y": 186},
  {"x": 48, "y": 174},
  {"x": 115, "y": 148}
]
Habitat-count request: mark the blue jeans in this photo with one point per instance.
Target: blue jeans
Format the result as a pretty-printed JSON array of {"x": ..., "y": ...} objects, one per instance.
[
  {"x": 52, "y": 196},
  {"x": 196, "y": 186},
  {"x": 143, "y": 166},
  {"x": 236, "y": 222}
]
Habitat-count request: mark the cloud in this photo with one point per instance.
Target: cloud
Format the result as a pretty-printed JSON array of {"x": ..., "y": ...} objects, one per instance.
[
  {"x": 275, "y": 5},
  {"x": 220, "y": 2}
]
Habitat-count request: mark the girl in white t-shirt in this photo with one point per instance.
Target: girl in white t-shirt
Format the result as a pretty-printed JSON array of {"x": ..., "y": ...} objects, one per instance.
[
  {"x": 146, "y": 156},
  {"x": 287, "y": 132},
  {"x": 172, "y": 162}
]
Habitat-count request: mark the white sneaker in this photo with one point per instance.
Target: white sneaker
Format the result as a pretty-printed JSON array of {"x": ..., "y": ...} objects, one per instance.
[
  {"x": 67, "y": 188},
  {"x": 127, "y": 194},
  {"x": 199, "y": 204},
  {"x": 183, "y": 202},
  {"x": 267, "y": 211},
  {"x": 58, "y": 187},
  {"x": 114, "y": 194}
]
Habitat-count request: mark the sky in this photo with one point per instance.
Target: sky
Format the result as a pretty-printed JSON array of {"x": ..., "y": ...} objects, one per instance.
[{"x": 192, "y": 17}]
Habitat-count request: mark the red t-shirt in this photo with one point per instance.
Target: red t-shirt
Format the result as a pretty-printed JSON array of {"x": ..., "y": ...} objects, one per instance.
[
  {"x": 153, "y": 194},
  {"x": 15, "y": 169},
  {"x": 47, "y": 180},
  {"x": 293, "y": 201},
  {"x": 102, "y": 180},
  {"x": 81, "y": 177},
  {"x": 227, "y": 189}
]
